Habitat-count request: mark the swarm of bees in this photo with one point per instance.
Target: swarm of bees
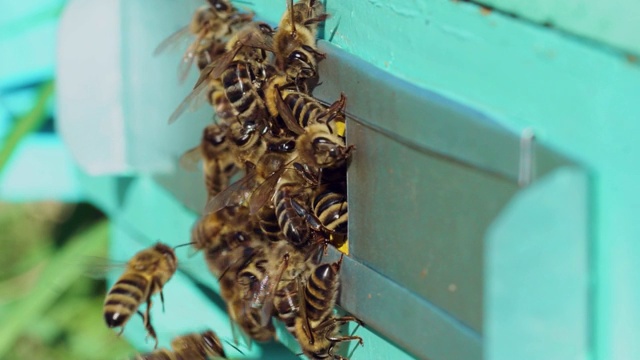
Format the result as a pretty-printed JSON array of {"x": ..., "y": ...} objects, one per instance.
[{"x": 263, "y": 235}]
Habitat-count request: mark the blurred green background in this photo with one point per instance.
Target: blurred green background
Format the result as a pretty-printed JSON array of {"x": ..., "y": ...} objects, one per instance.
[{"x": 49, "y": 307}]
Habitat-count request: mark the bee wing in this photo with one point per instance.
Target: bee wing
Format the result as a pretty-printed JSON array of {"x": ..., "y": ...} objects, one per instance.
[
  {"x": 97, "y": 267},
  {"x": 258, "y": 40},
  {"x": 264, "y": 192},
  {"x": 287, "y": 115},
  {"x": 267, "y": 307},
  {"x": 172, "y": 40},
  {"x": 188, "y": 102},
  {"x": 189, "y": 160},
  {"x": 237, "y": 333},
  {"x": 186, "y": 63},
  {"x": 219, "y": 65},
  {"x": 302, "y": 309},
  {"x": 235, "y": 194}
]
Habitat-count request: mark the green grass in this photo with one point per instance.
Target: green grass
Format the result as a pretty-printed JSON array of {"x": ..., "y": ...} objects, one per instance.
[{"x": 48, "y": 307}]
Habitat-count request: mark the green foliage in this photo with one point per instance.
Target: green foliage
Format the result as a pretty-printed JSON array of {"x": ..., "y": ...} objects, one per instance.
[
  {"x": 27, "y": 123},
  {"x": 48, "y": 307}
]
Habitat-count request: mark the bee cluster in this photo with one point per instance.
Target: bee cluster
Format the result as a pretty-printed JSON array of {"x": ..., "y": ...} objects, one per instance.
[{"x": 263, "y": 235}]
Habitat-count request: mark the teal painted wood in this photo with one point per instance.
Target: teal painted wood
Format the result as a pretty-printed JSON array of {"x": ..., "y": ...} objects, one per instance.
[
  {"x": 611, "y": 22},
  {"x": 537, "y": 275}
]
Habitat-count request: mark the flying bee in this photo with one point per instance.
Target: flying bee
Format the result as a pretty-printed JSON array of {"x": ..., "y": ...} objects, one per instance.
[
  {"x": 316, "y": 329},
  {"x": 219, "y": 164},
  {"x": 145, "y": 275},
  {"x": 211, "y": 25},
  {"x": 294, "y": 42},
  {"x": 193, "y": 346}
]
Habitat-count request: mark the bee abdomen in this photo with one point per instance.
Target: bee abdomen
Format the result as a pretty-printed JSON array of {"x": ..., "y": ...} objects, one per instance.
[
  {"x": 321, "y": 292},
  {"x": 332, "y": 210},
  {"x": 293, "y": 227},
  {"x": 123, "y": 299},
  {"x": 268, "y": 222}
]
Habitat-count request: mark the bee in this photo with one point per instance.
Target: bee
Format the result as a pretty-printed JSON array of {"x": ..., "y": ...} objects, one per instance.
[
  {"x": 301, "y": 110},
  {"x": 145, "y": 275},
  {"x": 322, "y": 148},
  {"x": 265, "y": 157},
  {"x": 193, "y": 346},
  {"x": 316, "y": 329},
  {"x": 206, "y": 232},
  {"x": 249, "y": 319},
  {"x": 210, "y": 25},
  {"x": 246, "y": 47},
  {"x": 294, "y": 42},
  {"x": 219, "y": 164},
  {"x": 266, "y": 275},
  {"x": 291, "y": 202}
]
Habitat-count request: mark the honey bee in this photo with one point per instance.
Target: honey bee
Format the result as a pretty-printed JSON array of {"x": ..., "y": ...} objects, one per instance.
[
  {"x": 294, "y": 42},
  {"x": 266, "y": 275},
  {"x": 190, "y": 346},
  {"x": 301, "y": 110},
  {"x": 322, "y": 148},
  {"x": 265, "y": 158},
  {"x": 206, "y": 232},
  {"x": 247, "y": 47},
  {"x": 291, "y": 200},
  {"x": 219, "y": 164},
  {"x": 249, "y": 319},
  {"x": 316, "y": 329},
  {"x": 210, "y": 25},
  {"x": 145, "y": 275}
]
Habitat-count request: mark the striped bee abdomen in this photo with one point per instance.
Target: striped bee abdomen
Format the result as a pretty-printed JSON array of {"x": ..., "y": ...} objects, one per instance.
[{"x": 124, "y": 298}]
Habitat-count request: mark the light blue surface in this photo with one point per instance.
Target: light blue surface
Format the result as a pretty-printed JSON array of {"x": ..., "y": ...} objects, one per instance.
[
  {"x": 537, "y": 275},
  {"x": 41, "y": 168},
  {"x": 28, "y": 32}
]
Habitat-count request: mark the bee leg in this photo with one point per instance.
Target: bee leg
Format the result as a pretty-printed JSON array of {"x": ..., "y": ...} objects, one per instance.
[
  {"x": 338, "y": 321},
  {"x": 162, "y": 300},
  {"x": 317, "y": 19},
  {"x": 147, "y": 324}
]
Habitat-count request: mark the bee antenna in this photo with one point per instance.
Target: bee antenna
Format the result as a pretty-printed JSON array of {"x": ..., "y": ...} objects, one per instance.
[
  {"x": 181, "y": 245},
  {"x": 293, "y": 24},
  {"x": 235, "y": 347}
]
